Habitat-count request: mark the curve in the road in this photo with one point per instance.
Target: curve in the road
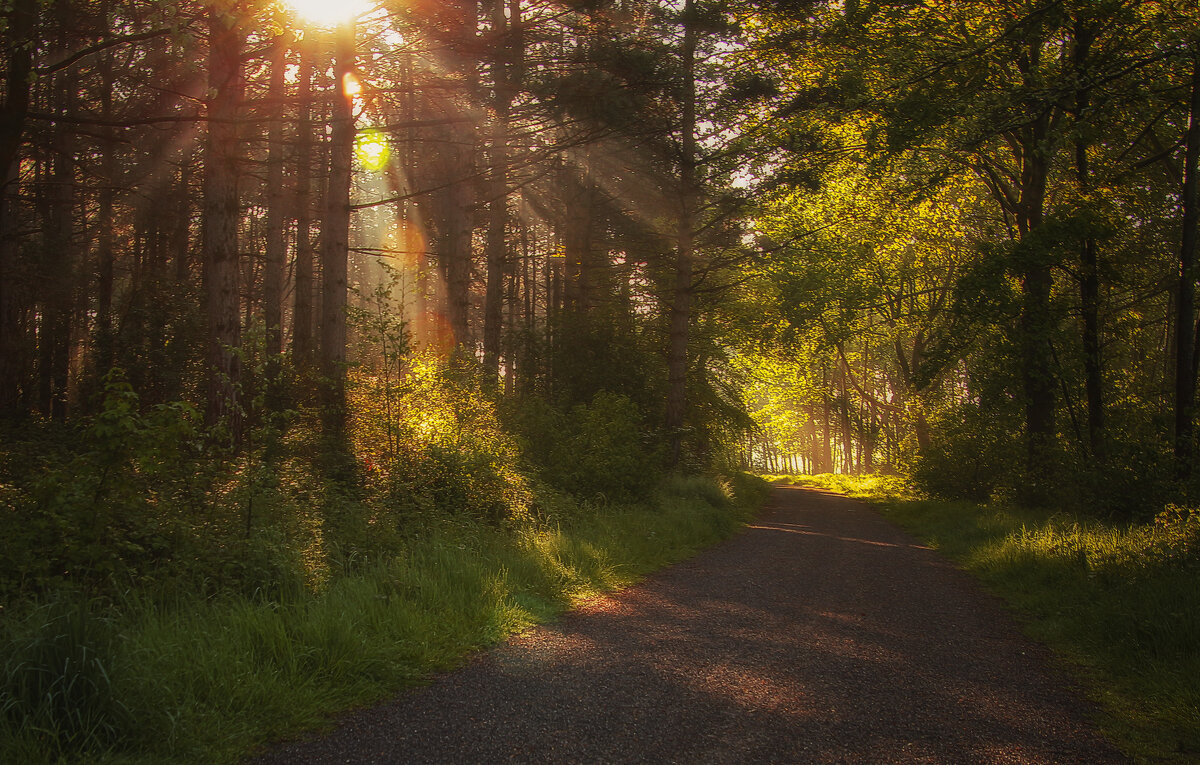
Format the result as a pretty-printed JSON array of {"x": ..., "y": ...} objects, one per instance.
[{"x": 822, "y": 634}]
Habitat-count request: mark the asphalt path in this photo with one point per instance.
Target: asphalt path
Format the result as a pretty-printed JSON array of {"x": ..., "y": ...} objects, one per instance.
[{"x": 821, "y": 634}]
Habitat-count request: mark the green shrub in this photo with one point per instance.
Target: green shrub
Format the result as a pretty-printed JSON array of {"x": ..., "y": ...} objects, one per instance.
[
  {"x": 596, "y": 450},
  {"x": 749, "y": 491},
  {"x": 431, "y": 444},
  {"x": 974, "y": 455},
  {"x": 1133, "y": 483},
  {"x": 714, "y": 493}
]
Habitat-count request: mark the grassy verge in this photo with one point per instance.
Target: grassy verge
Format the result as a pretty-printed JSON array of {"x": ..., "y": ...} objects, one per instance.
[
  {"x": 208, "y": 681},
  {"x": 1120, "y": 602}
]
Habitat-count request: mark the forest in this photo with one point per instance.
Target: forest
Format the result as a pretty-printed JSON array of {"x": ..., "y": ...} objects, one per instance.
[{"x": 289, "y": 286}]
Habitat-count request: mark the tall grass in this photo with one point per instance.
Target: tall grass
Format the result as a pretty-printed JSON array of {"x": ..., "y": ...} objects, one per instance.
[
  {"x": 206, "y": 681},
  {"x": 1121, "y": 602}
]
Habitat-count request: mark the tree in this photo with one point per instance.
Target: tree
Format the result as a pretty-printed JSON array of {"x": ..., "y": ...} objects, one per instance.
[
  {"x": 303, "y": 346},
  {"x": 221, "y": 215},
  {"x": 335, "y": 232},
  {"x": 276, "y": 240},
  {"x": 19, "y": 22},
  {"x": 1185, "y": 361},
  {"x": 681, "y": 299}
]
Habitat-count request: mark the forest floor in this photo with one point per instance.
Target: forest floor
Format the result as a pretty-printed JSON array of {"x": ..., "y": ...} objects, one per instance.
[{"x": 820, "y": 634}]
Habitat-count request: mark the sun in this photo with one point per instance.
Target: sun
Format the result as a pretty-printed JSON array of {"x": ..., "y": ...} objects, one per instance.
[{"x": 329, "y": 13}]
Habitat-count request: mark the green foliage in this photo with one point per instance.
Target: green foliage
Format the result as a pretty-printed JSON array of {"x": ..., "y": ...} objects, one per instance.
[
  {"x": 430, "y": 443},
  {"x": 1134, "y": 482},
  {"x": 601, "y": 449},
  {"x": 986, "y": 251},
  {"x": 737, "y": 491},
  {"x": 94, "y": 514},
  {"x": 602, "y": 351},
  {"x": 696, "y": 488},
  {"x": 973, "y": 455},
  {"x": 195, "y": 680}
]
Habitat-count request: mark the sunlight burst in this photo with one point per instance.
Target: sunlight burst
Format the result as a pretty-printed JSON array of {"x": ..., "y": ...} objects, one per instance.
[
  {"x": 329, "y": 13},
  {"x": 372, "y": 150}
]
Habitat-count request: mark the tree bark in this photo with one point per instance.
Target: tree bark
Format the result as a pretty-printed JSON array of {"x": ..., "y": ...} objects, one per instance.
[
  {"x": 57, "y": 264},
  {"x": 844, "y": 417},
  {"x": 498, "y": 205},
  {"x": 458, "y": 223},
  {"x": 276, "y": 242},
  {"x": 1185, "y": 379},
  {"x": 1032, "y": 149},
  {"x": 681, "y": 303},
  {"x": 579, "y": 188},
  {"x": 826, "y": 453},
  {"x": 221, "y": 215},
  {"x": 1089, "y": 283},
  {"x": 335, "y": 236},
  {"x": 1036, "y": 323},
  {"x": 456, "y": 254},
  {"x": 105, "y": 247},
  {"x": 21, "y": 20},
  {"x": 302, "y": 310}
]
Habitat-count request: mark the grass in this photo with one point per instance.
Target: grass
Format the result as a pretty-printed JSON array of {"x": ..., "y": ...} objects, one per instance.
[
  {"x": 1120, "y": 602},
  {"x": 195, "y": 681}
]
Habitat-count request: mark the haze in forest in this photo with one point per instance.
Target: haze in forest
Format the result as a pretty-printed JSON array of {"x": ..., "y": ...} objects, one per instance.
[{"x": 286, "y": 287}]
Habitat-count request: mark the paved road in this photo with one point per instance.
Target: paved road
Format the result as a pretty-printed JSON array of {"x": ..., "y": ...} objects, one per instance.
[{"x": 820, "y": 635}]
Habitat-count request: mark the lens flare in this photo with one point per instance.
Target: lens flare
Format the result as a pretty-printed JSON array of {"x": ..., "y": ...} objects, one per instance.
[{"x": 371, "y": 148}]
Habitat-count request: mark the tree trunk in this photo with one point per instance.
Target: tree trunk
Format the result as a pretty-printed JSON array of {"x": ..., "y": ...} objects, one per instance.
[
  {"x": 221, "y": 214},
  {"x": 303, "y": 346},
  {"x": 458, "y": 221},
  {"x": 1036, "y": 323},
  {"x": 276, "y": 242},
  {"x": 1089, "y": 283},
  {"x": 681, "y": 304},
  {"x": 847, "y": 431},
  {"x": 498, "y": 205},
  {"x": 57, "y": 266},
  {"x": 827, "y": 434},
  {"x": 14, "y": 110},
  {"x": 335, "y": 236},
  {"x": 580, "y": 278},
  {"x": 181, "y": 243},
  {"x": 105, "y": 246},
  {"x": 457, "y": 244},
  {"x": 1185, "y": 379}
]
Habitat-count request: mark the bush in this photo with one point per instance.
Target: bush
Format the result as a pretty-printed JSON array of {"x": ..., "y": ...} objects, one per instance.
[
  {"x": 599, "y": 449},
  {"x": 1134, "y": 482},
  {"x": 973, "y": 456},
  {"x": 430, "y": 445}
]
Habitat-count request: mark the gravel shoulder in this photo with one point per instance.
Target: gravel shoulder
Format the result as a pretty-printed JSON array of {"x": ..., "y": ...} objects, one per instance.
[{"x": 821, "y": 634}]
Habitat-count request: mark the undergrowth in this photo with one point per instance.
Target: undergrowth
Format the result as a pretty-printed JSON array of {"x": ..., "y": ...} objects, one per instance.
[
  {"x": 1120, "y": 601},
  {"x": 171, "y": 595},
  {"x": 145, "y": 679}
]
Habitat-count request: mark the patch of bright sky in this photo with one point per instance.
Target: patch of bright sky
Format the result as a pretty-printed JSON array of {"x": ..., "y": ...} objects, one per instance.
[{"x": 330, "y": 13}]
